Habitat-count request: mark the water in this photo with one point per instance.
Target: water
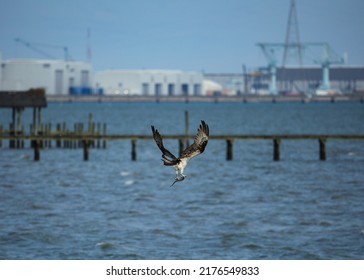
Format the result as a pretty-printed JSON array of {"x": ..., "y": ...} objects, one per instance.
[{"x": 250, "y": 208}]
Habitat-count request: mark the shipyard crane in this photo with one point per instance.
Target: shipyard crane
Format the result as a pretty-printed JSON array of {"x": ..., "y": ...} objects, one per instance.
[
  {"x": 37, "y": 47},
  {"x": 293, "y": 43},
  {"x": 328, "y": 57},
  {"x": 270, "y": 51}
]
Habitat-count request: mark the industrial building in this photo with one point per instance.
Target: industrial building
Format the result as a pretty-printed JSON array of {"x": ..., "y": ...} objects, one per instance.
[
  {"x": 149, "y": 82},
  {"x": 309, "y": 80},
  {"x": 292, "y": 80},
  {"x": 61, "y": 77},
  {"x": 317, "y": 70},
  {"x": 55, "y": 76}
]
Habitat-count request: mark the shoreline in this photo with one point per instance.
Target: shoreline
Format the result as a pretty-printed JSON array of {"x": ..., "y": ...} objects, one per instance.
[{"x": 211, "y": 99}]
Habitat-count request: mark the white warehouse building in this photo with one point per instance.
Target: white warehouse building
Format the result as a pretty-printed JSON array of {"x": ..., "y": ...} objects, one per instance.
[
  {"x": 149, "y": 82},
  {"x": 55, "y": 76}
]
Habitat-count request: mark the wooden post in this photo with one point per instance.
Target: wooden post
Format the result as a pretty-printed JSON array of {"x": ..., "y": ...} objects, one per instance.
[
  {"x": 133, "y": 150},
  {"x": 34, "y": 128},
  {"x": 75, "y": 130},
  {"x": 31, "y": 133},
  {"x": 322, "y": 145},
  {"x": 18, "y": 127},
  {"x": 58, "y": 128},
  {"x": 36, "y": 150},
  {"x": 11, "y": 132},
  {"x": 229, "y": 149},
  {"x": 180, "y": 146},
  {"x": 1, "y": 132},
  {"x": 98, "y": 134},
  {"x": 49, "y": 133},
  {"x": 90, "y": 117},
  {"x": 80, "y": 131},
  {"x": 276, "y": 153},
  {"x": 187, "y": 127},
  {"x": 104, "y": 132},
  {"x": 64, "y": 132},
  {"x": 40, "y": 125},
  {"x": 39, "y": 116},
  {"x": 86, "y": 144},
  {"x": 12, "y": 129},
  {"x": 13, "y": 116},
  {"x": 41, "y": 132},
  {"x": 22, "y": 140},
  {"x": 91, "y": 127},
  {"x": 45, "y": 132}
]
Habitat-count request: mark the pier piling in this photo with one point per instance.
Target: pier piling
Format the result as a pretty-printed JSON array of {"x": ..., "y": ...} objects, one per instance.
[
  {"x": 276, "y": 151},
  {"x": 322, "y": 149},
  {"x": 104, "y": 133},
  {"x": 86, "y": 145},
  {"x": 133, "y": 150},
  {"x": 1, "y": 132},
  {"x": 229, "y": 149},
  {"x": 36, "y": 147},
  {"x": 58, "y": 131}
]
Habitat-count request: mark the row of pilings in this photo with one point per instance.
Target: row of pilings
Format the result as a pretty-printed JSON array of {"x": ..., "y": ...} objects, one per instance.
[{"x": 58, "y": 135}]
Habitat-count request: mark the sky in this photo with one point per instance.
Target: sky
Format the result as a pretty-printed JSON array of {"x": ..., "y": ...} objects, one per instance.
[{"x": 213, "y": 36}]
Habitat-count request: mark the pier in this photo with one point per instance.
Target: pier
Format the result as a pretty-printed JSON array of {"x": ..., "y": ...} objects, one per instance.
[
  {"x": 86, "y": 141},
  {"x": 91, "y": 135}
]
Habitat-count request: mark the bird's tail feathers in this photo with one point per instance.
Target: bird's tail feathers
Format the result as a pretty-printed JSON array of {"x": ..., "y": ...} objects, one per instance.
[{"x": 169, "y": 162}]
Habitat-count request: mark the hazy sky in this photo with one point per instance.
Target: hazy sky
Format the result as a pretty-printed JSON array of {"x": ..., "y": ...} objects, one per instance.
[{"x": 209, "y": 35}]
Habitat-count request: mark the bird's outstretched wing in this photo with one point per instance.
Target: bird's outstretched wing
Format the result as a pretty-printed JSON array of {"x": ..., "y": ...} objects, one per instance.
[
  {"x": 199, "y": 143},
  {"x": 167, "y": 157}
]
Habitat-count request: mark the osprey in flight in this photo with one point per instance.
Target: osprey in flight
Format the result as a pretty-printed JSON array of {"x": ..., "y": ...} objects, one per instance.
[{"x": 193, "y": 150}]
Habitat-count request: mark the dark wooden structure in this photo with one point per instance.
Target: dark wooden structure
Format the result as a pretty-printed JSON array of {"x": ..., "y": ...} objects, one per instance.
[
  {"x": 34, "y": 98},
  {"x": 18, "y": 101},
  {"x": 87, "y": 140}
]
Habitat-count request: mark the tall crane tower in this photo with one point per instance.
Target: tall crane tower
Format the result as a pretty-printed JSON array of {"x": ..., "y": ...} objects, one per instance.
[
  {"x": 294, "y": 48},
  {"x": 292, "y": 45}
]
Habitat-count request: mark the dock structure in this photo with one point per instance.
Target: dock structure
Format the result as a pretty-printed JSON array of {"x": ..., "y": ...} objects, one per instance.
[
  {"x": 18, "y": 101},
  {"x": 94, "y": 135},
  {"x": 86, "y": 141}
]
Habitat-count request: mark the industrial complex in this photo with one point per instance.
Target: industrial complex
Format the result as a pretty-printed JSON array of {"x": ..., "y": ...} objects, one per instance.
[
  {"x": 59, "y": 77},
  {"x": 324, "y": 73},
  {"x": 149, "y": 82},
  {"x": 55, "y": 76}
]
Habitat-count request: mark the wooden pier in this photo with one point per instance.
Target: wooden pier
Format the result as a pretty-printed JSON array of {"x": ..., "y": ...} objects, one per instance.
[
  {"x": 94, "y": 135},
  {"x": 86, "y": 141}
]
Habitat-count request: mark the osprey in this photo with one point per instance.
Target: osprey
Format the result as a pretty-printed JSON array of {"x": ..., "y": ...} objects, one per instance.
[{"x": 193, "y": 150}]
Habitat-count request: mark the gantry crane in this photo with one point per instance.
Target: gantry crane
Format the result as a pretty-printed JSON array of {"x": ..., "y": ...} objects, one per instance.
[
  {"x": 270, "y": 52},
  {"x": 328, "y": 57},
  {"x": 293, "y": 43}
]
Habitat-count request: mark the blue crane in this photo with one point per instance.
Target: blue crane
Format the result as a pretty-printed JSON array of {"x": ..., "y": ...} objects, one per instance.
[
  {"x": 270, "y": 51},
  {"x": 328, "y": 57}
]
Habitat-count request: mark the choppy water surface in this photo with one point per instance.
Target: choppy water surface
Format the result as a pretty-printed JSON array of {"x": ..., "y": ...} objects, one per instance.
[{"x": 248, "y": 208}]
